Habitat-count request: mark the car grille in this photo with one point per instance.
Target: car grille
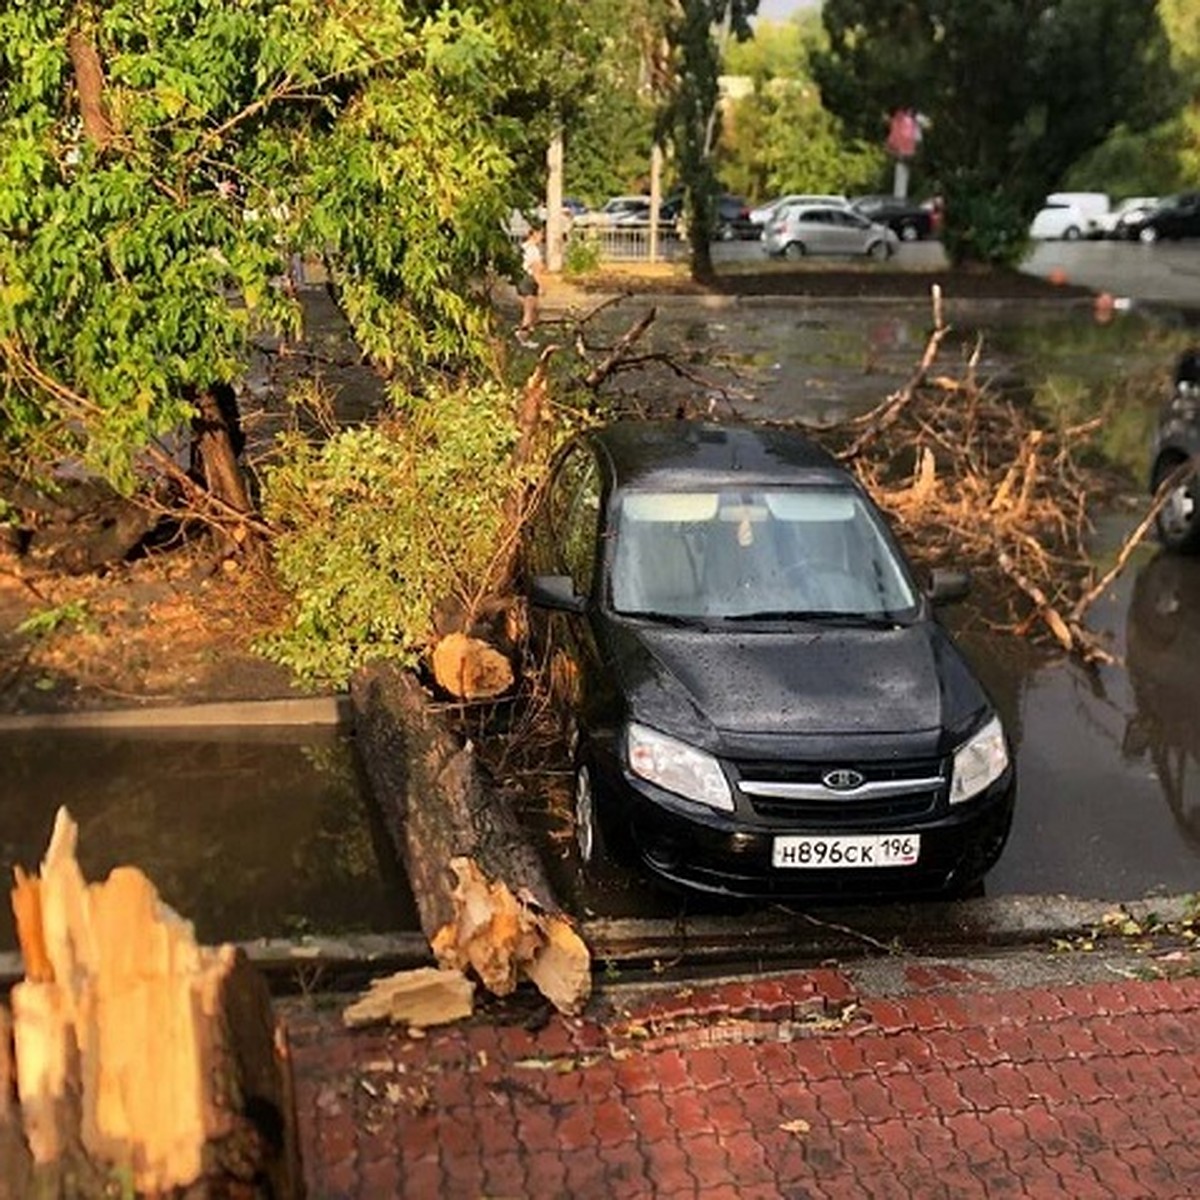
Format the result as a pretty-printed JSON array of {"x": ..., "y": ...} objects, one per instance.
[{"x": 895, "y": 790}]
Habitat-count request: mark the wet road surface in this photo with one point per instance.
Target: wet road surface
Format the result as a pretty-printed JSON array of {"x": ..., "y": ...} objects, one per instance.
[{"x": 1108, "y": 805}]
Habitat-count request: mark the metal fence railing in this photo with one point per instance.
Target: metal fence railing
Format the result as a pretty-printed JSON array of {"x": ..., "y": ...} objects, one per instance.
[{"x": 631, "y": 243}]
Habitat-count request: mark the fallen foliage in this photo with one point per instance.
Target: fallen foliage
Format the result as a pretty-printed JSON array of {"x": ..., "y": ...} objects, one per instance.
[{"x": 991, "y": 490}]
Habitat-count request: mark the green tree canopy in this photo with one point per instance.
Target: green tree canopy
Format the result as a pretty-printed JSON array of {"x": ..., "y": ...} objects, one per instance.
[
  {"x": 1015, "y": 92},
  {"x": 159, "y": 162},
  {"x": 781, "y": 138}
]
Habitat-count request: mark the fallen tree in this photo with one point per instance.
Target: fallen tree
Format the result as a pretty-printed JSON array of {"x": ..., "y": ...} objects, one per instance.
[{"x": 481, "y": 892}]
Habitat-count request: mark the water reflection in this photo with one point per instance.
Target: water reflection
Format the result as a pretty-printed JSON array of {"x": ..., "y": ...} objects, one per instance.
[
  {"x": 247, "y": 833},
  {"x": 1163, "y": 659}
]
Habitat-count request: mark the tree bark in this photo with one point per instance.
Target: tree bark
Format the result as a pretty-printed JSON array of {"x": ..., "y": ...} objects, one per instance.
[
  {"x": 89, "y": 82},
  {"x": 217, "y": 443},
  {"x": 479, "y": 885}
]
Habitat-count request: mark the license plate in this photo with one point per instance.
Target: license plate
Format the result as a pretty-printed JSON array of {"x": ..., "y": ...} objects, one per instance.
[{"x": 823, "y": 853}]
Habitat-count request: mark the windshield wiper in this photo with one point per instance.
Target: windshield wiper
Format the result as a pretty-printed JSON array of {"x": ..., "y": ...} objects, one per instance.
[{"x": 821, "y": 617}]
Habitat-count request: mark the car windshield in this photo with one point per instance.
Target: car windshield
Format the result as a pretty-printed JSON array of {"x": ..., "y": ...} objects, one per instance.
[{"x": 793, "y": 553}]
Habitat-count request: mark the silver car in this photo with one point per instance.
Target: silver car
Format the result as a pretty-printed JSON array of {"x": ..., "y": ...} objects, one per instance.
[{"x": 826, "y": 229}]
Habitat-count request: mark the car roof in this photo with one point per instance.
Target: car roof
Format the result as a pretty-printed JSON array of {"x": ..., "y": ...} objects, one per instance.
[{"x": 678, "y": 454}]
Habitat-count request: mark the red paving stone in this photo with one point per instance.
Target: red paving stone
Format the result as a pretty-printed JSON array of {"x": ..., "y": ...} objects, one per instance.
[{"x": 952, "y": 1085}]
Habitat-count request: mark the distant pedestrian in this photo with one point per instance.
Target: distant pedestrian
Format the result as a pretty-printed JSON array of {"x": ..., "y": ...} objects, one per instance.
[{"x": 533, "y": 268}]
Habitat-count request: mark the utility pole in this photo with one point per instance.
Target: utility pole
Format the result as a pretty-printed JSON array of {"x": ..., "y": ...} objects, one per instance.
[
  {"x": 554, "y": 201},
  {"x": 656, "y": 157}
]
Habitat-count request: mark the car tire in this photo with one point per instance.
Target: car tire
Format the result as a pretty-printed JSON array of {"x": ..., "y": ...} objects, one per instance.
[
  {"x": 725, "y": 232},
  {"x": 794, "y": 251},
  {"x": 1147, "y": 235},
  {"x": 880, "y": 251},
  {"x": 589, "y": 837},
  {"x": 1178, "y": 521},
  {"x": 909, "y": 232},
  {"x": 603, "y": 845},
  {"x": 1070, "y": 234}
]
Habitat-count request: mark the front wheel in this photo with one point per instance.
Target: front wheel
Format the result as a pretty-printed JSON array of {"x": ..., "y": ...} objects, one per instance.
[
  {"x": 1070, "y": 234},
  {"x": 1178, "y": 520},
  {"x": 589, "y": 840},
  {"x": 793, "y": 251},
  {"x": 1148, "y": 236},
  {"x": 880, "y": 251}
]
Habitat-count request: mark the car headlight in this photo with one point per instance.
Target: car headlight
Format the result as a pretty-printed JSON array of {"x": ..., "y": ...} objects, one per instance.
[
  {"x": 979, "y": 762},
  {"x": 677, "y": 767}
]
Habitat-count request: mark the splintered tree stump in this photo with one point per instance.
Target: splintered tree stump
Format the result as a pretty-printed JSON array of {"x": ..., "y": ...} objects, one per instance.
[
  {"x": 479, "y": 885},
  {"x": 139, "y": 1056}
]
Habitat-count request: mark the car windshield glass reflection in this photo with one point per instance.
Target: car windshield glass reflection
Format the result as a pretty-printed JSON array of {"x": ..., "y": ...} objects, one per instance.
[{"x": 783, "y": 553}]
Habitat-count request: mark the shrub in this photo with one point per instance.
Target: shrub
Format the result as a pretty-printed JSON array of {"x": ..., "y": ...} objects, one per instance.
[{"x": 381, "y": 522}]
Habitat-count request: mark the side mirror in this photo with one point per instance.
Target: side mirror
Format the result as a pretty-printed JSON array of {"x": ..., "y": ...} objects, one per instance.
[
  {"x": 556, "y": 592},
  {"x": 947, "y": 586}
]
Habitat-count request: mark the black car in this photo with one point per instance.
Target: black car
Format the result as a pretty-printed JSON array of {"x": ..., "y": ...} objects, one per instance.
[
  {"x": 760, "y": 698},
  {"x": 731, "y": 217},
  {"x": 1173, "y": 218},
  {"x": 912, "y": 222},
  {"x": 1176, "y": 440}
]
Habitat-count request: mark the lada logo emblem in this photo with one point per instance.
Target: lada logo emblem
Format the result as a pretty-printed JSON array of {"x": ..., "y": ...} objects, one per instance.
[{"x": 842, "y": 780}]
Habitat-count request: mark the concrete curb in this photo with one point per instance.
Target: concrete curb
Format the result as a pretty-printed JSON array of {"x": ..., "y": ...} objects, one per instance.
[
  {"x": 329, "y": 711},
  {"x": 772, "y": 943}
]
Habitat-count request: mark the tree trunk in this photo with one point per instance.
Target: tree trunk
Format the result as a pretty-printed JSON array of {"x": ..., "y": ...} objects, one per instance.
[
  {"x": 140, "y": 1055},
  {"x": 217, "y": 442},
  {"x": 89, "y": 82},
  {"x": 480, "y": 889}
]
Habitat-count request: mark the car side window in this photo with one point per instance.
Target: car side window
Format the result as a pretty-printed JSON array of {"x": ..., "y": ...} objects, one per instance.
[
  {"x": 573, "y": 515},
  {"x": 581, "y": 520}
]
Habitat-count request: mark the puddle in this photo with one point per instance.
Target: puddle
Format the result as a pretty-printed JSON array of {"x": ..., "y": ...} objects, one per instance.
[{"x": 247, "y": 833}]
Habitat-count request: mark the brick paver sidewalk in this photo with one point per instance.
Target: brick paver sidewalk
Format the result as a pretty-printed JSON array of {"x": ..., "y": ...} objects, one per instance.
[{"x": 797, "y": 1085}]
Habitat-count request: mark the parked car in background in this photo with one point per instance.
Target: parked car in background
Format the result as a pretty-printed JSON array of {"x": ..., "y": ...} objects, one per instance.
[
  {"x": 1114, "y": 223},
  {"x": 911, "y": 221},
  {"x": 731, "y": 217},
  {"x": 763, "y": 213},
  {"x": 826, "y": 229},
  {"x": 619, "y": 210},
  {"x": 1068, "y": 215},
  {"x": 1174, "y": 217},
  {"x": 760, "y": 697},
  {"x": 1176, "y": 440}
]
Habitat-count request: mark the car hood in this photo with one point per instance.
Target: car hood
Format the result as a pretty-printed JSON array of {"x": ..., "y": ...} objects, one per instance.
[{"x": 715, "y": 686}]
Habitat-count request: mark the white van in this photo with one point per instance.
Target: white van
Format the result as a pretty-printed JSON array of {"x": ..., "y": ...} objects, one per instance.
[{"x": 1069, "y": 215}]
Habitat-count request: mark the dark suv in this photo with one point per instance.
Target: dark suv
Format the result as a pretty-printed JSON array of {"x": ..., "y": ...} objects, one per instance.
[{"x": 1177, "y": 440}]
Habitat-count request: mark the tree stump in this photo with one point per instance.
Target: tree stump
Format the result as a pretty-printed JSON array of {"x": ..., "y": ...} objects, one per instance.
[
  {"x": 479, "y": 885},
  {"x": 139, "y": 1055}
]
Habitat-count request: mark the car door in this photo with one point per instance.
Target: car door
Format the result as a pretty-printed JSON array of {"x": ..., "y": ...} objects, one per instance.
[
  {"x": 849, "y": 232},
  {"x": 815, "y": 231}
]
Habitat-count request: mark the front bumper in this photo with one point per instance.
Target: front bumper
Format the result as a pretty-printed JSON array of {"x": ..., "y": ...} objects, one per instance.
[{"x": 730, "y": 854}]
